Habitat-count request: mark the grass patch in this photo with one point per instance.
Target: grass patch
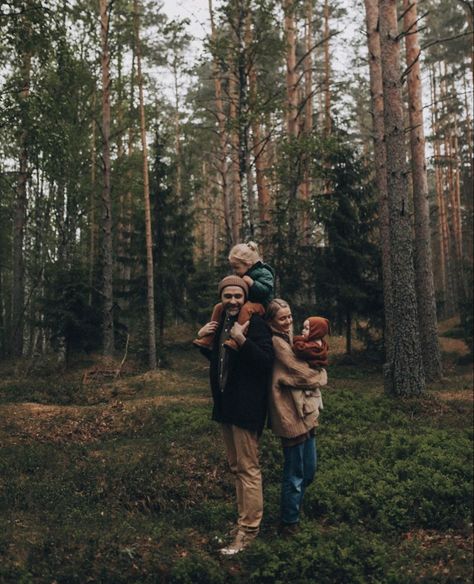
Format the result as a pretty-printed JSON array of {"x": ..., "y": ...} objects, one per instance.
[{"x": 140, "y": 493}]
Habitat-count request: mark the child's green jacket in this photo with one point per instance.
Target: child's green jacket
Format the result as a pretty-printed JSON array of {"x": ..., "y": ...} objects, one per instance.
[{"x": 263, "y": 287}]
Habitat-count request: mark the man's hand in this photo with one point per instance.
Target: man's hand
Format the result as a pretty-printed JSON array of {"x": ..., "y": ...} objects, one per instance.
[
  {"x": 237, "y": 332},
  {"x": 208, "y": 329},
  {"x": 248, "y": 280}
]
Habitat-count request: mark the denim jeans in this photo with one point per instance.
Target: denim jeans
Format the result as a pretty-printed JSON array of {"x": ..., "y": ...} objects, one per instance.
[{"x": 298, "y": 472}]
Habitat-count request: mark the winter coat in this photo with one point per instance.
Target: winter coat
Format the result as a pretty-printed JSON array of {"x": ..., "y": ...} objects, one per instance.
[
  {"x": 263, "y": 287},
  {"x": 244, "y": 400},
  {"x": 293, "y": 380}
]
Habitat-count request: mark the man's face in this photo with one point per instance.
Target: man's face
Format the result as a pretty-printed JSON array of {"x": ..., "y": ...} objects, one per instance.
[{"x": 232, "y": 297}]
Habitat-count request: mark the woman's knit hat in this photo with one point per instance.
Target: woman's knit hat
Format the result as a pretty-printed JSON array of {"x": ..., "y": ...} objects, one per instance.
[{"x": 233, "y": 281}]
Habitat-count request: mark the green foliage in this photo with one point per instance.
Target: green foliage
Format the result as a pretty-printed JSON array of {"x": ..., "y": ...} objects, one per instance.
[
  {"x": 68, "y": 317},
  {"x": 195, "y": 569},
  {"x": 345, "y": 555},
  {"x": 144, "y": 499},
  {"x": 203, "y": 291},
  {"x": 335, "y": 270},
  {"x": 173, "y": 238}
]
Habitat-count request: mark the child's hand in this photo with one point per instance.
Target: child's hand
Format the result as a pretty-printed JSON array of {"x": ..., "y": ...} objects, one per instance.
[
  {"x": 248, "y": 280},
  {"x": 208, "y": 329}
]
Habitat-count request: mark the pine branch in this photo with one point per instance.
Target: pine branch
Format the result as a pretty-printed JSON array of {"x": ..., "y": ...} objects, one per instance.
[
  {"x": 407, "y": 32},
  {"x": 410, "y": 67},
  {"x": 402, "y": 15},
  {"x": 446, "y": 39},
  {"x": 318, "y": 44}
]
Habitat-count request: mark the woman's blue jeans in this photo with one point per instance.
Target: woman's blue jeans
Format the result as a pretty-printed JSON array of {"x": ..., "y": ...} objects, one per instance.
[{"x": 298, "y": 472}]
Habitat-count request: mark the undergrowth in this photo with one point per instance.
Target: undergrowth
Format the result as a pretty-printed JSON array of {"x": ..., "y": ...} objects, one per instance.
[{"x": 148, "y": 501}]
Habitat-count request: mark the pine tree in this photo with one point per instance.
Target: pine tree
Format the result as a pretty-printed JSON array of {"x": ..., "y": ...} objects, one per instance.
[
  {"x": 146, "y": 196},
  {"x": 107, "y": 251},
  {"x": 380, "y": 162},
  {"x": 425, "y": 290},
  {"x": 405, "y": 375}
]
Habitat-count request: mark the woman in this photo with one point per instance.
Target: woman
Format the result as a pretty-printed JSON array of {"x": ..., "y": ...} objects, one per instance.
[{"x": 296, "y": 431}]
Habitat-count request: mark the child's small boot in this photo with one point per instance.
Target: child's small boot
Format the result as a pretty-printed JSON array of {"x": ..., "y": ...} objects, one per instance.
[
  {"x": 231, "y": 344},
  {"x": 204, "y": 342}
]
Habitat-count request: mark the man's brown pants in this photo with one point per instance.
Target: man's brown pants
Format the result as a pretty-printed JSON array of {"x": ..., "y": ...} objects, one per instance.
[{"x": 242, "y": 454}]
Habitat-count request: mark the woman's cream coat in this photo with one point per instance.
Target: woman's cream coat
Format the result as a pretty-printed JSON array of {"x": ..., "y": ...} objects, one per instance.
[{"x": 295, "y": 398}]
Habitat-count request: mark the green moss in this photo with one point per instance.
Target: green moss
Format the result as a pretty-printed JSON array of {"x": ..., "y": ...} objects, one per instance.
[{"x": 144, "y": 502}]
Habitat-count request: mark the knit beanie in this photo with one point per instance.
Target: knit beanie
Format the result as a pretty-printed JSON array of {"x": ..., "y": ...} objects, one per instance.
[{"x": 233, "y": 281}]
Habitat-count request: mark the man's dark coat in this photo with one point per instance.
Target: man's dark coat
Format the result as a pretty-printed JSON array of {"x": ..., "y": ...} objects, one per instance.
[{"x": 243, "y": 402}]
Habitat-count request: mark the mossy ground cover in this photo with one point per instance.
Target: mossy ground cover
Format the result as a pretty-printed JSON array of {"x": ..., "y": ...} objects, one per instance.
[{"x": 127, "y": 482}]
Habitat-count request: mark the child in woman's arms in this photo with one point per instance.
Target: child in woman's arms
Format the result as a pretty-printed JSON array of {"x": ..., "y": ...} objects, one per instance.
[
  {"x": 311, "y": 346},
  {"x": 245, "y": 262}
]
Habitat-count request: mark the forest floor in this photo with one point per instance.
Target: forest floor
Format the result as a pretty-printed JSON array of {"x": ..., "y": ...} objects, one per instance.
[{"x": 125, "y": 481}]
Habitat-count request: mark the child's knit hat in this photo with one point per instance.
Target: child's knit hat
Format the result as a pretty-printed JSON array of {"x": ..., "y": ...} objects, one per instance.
[
  {"x": 318, "y": 327},
  {"x": 233, "y": 281}
]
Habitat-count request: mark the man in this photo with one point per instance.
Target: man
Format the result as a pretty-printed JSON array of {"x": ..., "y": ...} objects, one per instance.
[{"x": 239, "y": 383}]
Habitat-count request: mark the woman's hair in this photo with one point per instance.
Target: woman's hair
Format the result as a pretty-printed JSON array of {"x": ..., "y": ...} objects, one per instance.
[
  {"x": 274, "y": 307},
  {"x": 246, "y": 253}
]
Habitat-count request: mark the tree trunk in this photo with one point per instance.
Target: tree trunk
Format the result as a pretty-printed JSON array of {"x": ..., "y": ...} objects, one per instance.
[
  {"x": 453, "y": 213},
  {"x": 308, "y": 114},
  {"x": 348, "y": 333},
  {"x": 327, "y": 73},
  {"x": 92, "y": 204},
  {"x": 128, "y": 224},
  {"x": 120, "y": 224},
  {"x": 456, "y": 163},
  {"x": 177, "y": 136},
  {"x": 258, "y": 145},
  {"x": 291, "y": 79},
  {"x": 236, "y": 186},
  {"x": 443, "y": 245},
  {"x": 3, "y": 319},
  {"x": 221, "y": 128},
  {"x": 423, "y": 262},
  {"x": 380, "y": 159},
  {"x": 245, "y": 181},
  {"x": 406, "y": 373},
  {"x": 146, "y": 195},
  {"x": 107, "y": 251},
  {"x": 19, "y": 220}
]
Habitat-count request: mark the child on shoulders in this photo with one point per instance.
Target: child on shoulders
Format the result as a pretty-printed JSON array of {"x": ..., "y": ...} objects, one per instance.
[{"x": 246, "y": 262}]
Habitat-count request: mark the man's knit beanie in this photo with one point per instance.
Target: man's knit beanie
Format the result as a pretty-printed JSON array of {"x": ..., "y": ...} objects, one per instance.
[{"x": 233, "y": 281}]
